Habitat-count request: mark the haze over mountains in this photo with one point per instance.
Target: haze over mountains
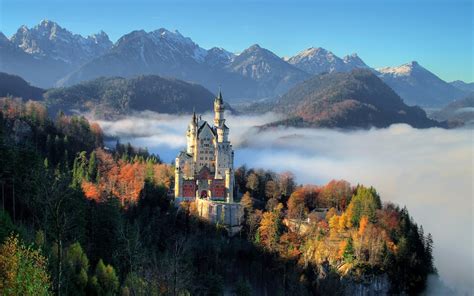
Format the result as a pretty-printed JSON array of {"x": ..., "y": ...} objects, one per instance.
[{"x": 48, "y": 55}]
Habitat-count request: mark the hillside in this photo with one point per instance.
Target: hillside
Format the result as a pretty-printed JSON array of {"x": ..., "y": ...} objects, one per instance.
[
  {"x": 356, "y": 99},
  {"x": 105, "y": 218},
  {"x": 458, "y": 112},
  {"x": 12, "y": 85},
  {"x": 116, "y": 96}
]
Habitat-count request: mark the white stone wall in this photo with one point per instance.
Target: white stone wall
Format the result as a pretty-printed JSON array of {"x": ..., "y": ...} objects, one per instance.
[{"x": 228, "y": 214}]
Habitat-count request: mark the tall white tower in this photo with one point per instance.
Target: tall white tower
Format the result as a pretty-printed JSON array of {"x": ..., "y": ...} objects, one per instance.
[
  {"x": 219, "y": 111},
  {"x": 191, "y": 135}
]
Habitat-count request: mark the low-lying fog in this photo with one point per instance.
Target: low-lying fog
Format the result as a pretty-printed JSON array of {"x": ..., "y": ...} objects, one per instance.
[{"x": 430, "y": 171}]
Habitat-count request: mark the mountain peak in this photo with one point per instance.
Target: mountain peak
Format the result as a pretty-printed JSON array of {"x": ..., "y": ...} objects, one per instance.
[
  {"x": 47, "y": 25},
  {"x": 48, "y": 40},
  {"x": 402, "y": 70},
  {"x": 254, "y": 47}
]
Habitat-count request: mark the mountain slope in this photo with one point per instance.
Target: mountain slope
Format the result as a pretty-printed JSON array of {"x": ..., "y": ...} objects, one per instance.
[
  {"x": 458, "y": 112},
  {"x": 17, "y": 87},
  {"x": 459, "y": 84},
  {"x": 164, "y": 53},
  {"x": 48, "y": 52},
  {"x": 355, "y": 99},
  {"x": 272, "y": 74},
  {"x": 418, "y": 86},
  {"x": 115, "y": 96}
]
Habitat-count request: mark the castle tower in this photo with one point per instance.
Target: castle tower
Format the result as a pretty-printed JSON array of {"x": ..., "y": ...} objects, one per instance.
[
  {"x": 178, "y": 180},
  {"x": 219, "y": 111},
  {"x": 229, "y": 185},
  {"x": 191, "y": 134}
]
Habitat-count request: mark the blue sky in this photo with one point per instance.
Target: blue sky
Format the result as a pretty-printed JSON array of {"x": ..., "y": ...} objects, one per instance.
[{"x": 437, "y": 33}]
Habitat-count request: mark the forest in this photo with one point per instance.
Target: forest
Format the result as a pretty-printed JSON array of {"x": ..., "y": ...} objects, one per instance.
[{"x": 79, "y": 218}]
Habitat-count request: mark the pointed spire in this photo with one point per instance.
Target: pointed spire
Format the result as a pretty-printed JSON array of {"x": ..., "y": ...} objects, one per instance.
[
  {"x": 194, "y": 115},
  {"x": 219, "y": 96}
]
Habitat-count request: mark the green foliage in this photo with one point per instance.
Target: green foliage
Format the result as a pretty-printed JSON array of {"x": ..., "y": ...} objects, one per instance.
[
  {"x": 348, "y": 254},
  {"x": 365, "y": 202},
  {"x": 104, "y": 282},
  {"x": 243, "y": 288},
  {"x": 135, "y": 285},
  {"x": 6, "y": 225},
  {"x": 77, "y": 268},
  {"x": 23, "y": 270}
]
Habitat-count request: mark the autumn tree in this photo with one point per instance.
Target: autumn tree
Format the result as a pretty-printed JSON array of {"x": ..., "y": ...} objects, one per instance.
[
  {"x": 253, "y": 183},
  {"x": 287, "y": 183},
  {"x": 337, "y": 194},
  {"x": 297, "y": 205},
  {"x": 23, "y": 270},
  {"x": 270, "y": 228}
]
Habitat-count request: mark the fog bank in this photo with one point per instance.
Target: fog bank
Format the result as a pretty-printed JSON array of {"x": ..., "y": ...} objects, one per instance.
[{"x": 430, "y": 171}]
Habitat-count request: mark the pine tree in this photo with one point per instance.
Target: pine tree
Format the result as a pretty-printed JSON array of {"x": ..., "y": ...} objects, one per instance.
[
  {"x": 349, "y": 251},
  {"x": 92, "y": 168}
]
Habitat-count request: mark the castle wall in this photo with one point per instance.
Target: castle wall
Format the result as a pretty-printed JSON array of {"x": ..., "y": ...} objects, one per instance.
[
  {"x": 189, "y": 188},
  {"x": 228, "y": 214}
]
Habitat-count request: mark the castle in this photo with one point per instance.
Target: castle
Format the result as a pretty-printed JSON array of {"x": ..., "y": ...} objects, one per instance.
[
  {"x": 204, "y": 172},
  {"x": 205, "y": 169}
]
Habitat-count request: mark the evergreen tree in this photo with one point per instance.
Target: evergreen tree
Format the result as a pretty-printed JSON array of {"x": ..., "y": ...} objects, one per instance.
[
  {"x": 92, "y": 167},
  {"x": 105, "y": 282},
  {"x": 77, "y": 268}
]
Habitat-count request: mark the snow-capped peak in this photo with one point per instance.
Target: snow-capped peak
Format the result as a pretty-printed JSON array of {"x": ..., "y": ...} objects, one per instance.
[
  {"x": 403, "y": 70},
  {"x": 313, "y": 53},
  {"x": 49, "y": 40}
]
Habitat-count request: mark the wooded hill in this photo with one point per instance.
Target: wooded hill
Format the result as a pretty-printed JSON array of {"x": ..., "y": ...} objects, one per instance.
[
  {"x": 358, "y": 99},
  {"x": 86, "y": 220}
]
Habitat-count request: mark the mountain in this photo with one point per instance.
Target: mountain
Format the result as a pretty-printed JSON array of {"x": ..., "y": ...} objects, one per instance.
[
  {"x": 48, "y": 55},
  {"x": 48, "y": 52},
  {"x": 12, "y": 85},
  {"x": 461, "y": 85},
  {"x": 218, "y": 57},
  {"x": 49, "y": 40},
  {"x": 356, "y": 99},
  {"x": 157, "y": 52},
  {"x": 457, "y": 113},
  {"x": 319, "y": 60},
  {"x": 165, "y": 53},
  {"x": 271, "y": 73},
  {"x": 107, "y": 97},
  {"x": 353, "y": 61},
  {"x": 418, "y": 86}
]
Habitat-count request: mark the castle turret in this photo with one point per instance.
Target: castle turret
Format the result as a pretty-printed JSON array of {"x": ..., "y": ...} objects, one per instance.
[
  {"x": 229, "y": 185},
  {"x": 219, "y": 111},
  {"x": 178, "y": 180},
  {"x": 191, "y": 134}
]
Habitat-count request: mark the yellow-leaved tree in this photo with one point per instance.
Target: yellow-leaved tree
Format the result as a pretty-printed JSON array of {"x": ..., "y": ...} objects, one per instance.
[{"x": 23, "y": 270}]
